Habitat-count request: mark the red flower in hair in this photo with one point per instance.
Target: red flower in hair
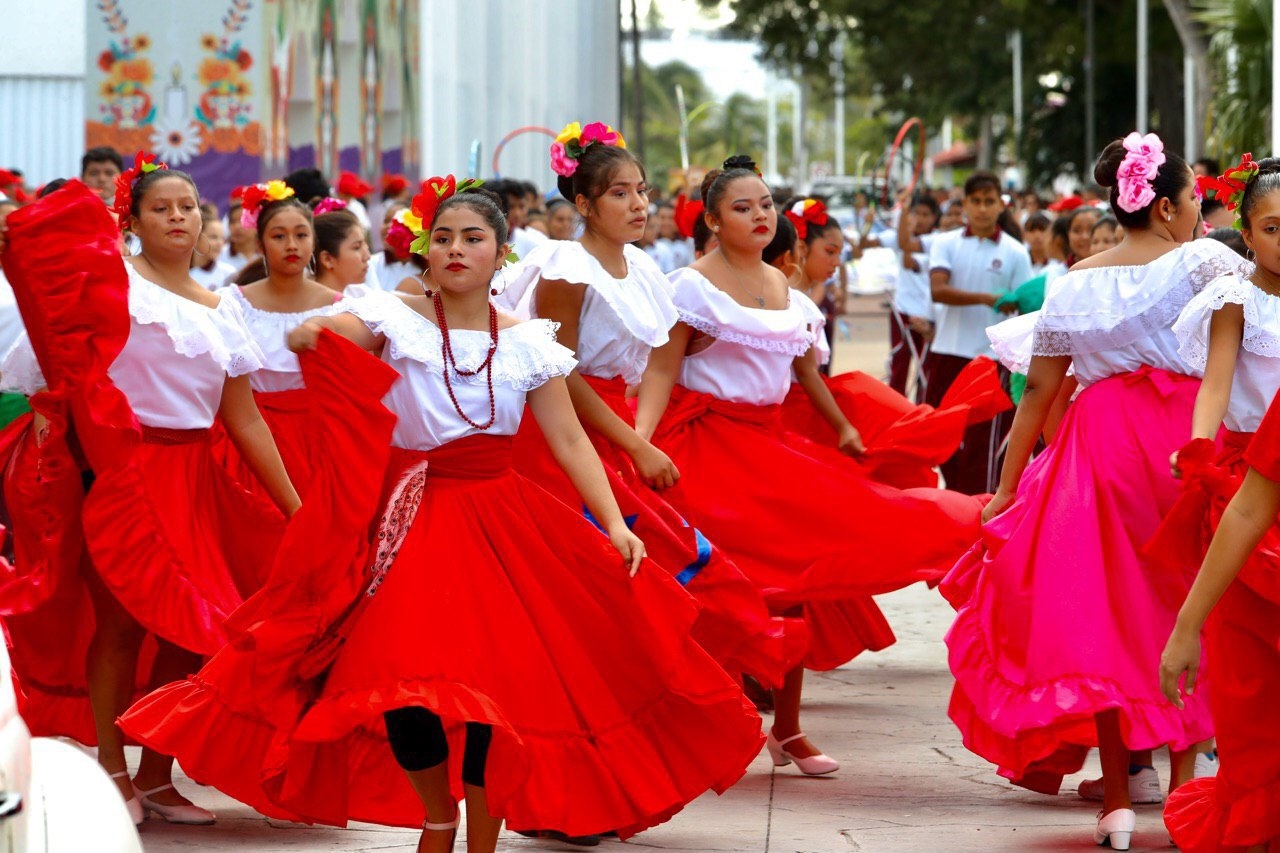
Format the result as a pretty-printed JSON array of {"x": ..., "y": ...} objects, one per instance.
[
  {"x": 142, "y": 164},
  {"x": 349, "y": 183},
  {"x": 807, "y": 211},
  {"x": 687, "y": 214},
  {"x": 394, "y": 184}
]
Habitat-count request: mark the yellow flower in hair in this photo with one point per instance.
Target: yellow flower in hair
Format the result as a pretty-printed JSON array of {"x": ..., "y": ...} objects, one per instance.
[
  {"x": 278, "y": 190},
  {"x": 410, "y": 221},
  {"x": 572, "y": 130}
]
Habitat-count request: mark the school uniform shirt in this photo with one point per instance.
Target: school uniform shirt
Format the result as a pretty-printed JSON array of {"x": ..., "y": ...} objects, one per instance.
[
  {"x": 912, "y": 296},
  {"x": 978, "y": 265}
]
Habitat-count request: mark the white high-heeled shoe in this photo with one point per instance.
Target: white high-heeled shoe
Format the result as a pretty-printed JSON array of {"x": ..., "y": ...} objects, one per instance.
[
  {"x": 1115, "y": 829},
  {"x": 136, "y": 814},
  {"x": 187, "y": 814},
  {"x": 814, "y": 765}
]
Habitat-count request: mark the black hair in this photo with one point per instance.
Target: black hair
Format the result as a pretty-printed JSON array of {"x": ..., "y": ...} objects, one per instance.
[
  {"x": 308, "y": 184},
  {"x": 981, "y": 180},
  {"x": 505, "y": 189},
  {"x": 55, "y": 184},
  {"x": 1231, "y": 238},
  {"x": 597, "y": 167},
  {"x": 1105, "y": 222},
  {"x": 331, "y": 230},
  {"x": 1259, "y": 187},
  {"x": 1008, "y": 223},
  {"x": 926, "y": 200},
  {"x": 1038, "y": 221},
  {"x": 784, "y": 240},
  {"x": 717, "y": 181},
  {"x": 149, "y": 179},
  {"x": 1170, "y": 181},
  {"x": 701, "y": 234},
  {"x": 530, "y": 188},
  {"x": 1060, "y": 233},
  {"x": 483, "y": 201},
  {"x": 1210, "y": 206},
  {"x": 272, "y": 209},
  {"x": 255, "y": 270},
  {"x": 101, "y": 154}
]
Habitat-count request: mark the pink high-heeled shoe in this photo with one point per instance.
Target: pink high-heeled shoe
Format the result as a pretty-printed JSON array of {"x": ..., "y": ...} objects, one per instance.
[{"x": 814, "y": 765}]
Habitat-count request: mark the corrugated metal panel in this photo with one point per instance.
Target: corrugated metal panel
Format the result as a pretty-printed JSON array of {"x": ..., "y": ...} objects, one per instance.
[{"x": 43, "y": 128}]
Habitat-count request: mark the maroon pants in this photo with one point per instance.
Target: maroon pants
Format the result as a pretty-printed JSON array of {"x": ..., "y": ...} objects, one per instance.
[
  {"x": 973, "y": 469},
  {"x": 900, "y": 353}
]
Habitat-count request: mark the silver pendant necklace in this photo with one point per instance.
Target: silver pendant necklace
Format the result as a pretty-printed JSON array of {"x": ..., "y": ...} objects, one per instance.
[{"x": 759, "y": 298}]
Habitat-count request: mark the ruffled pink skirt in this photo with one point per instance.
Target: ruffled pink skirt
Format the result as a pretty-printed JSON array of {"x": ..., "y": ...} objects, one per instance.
[{"x": 1059, "y": 617}]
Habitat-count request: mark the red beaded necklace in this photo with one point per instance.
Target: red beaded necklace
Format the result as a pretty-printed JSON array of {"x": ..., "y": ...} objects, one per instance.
[{"x": 446, "y": 349}]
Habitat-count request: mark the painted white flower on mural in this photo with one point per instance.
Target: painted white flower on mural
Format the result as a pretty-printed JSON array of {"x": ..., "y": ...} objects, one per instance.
[{"x": 175, "y": 142}]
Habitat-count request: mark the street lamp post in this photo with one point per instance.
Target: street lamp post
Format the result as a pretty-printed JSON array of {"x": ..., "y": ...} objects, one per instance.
[{"x": 1143, "y": 64}]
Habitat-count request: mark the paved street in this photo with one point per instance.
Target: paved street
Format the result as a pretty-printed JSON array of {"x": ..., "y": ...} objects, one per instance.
[{"x": 906, "y": 782}]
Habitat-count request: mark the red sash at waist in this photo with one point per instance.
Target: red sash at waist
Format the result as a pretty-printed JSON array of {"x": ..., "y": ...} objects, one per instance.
[
  {"x": 294, "y": 400},
  {"x": 688, "y": 405},
  {"x": 474, "y": 457},
  {"x": 163, "y": 435}
]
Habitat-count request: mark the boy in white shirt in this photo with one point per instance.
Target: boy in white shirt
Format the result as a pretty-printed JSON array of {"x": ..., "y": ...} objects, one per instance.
[
  {"x": 911, "y": 321},
  {"x": 969, "y": 270}
]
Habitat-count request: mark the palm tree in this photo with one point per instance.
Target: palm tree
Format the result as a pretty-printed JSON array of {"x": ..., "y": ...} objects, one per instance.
[{"x": 1240, "y": 55}]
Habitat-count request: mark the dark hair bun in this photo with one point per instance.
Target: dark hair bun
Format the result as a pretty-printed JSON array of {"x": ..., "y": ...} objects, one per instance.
[
  {"x": 564, "y": 183},
  {"x": 1269, "y": 165},
  {"x": 740, "y": 161},
  {"x": 1106, "y": 170}
]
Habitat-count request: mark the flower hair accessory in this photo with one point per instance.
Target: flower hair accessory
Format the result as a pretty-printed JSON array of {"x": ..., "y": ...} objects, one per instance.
[
  {"x": 329, "y": 205},
  {"x": 805, "y": 212},
  {"x": 687, "y": 212},
  {"x": 422, "y": 211},
  {"x": 1141, "y": 164},
  {"x": 143, "y": 163},
  {"x": 254, "y": 197},
  {"x": 575, "y": 139},
  {"x": 1229, "y": 187}
]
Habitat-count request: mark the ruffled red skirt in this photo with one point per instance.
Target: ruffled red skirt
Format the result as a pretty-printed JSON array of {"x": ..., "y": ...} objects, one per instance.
[
  {"x": 733, "y": 624},
  {"x": 806, "y": 526},
  {"x": 491, "y": 602},
  {"x": 1059, "y": 617},
  {"x": 287, "y": 416},
  {"x": 905, "y": 442},
  {"x": 154, "y": 528},
  {"x": 1240, "y": 807}
]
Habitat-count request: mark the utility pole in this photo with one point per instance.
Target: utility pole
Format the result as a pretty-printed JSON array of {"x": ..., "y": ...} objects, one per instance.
[
  {"x": 771, "y": 129},
  {"x": 1015, "y": 46},
  {"x": 637, "y": 97},
  {"x": 1144, "y": 63},
  {"x": 838, "y": 62},
  {"x": 1090, "y": 96}
]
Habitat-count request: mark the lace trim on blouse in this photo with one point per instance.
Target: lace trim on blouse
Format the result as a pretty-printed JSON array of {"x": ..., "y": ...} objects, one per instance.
[
  {"x": 704, "y": 307},
  {"x": 1261, "y": 319},
  {"x": 527, "y": 355},
  {"x": 195, "y": 329}
]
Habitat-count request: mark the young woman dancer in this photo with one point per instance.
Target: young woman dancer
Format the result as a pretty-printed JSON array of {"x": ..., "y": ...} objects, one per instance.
[
  {"x": 164, "y": 358},
  {"x": 1052, "y": 593},
  {"x": 710, "y": 399},
  {"x": 341, "y": 247},
  {"x": 1231, "y": 330},
  {"x": 613, "y": 306},
  {"x": 274, "y": 305},
  {"x": 548, "y": 656}
]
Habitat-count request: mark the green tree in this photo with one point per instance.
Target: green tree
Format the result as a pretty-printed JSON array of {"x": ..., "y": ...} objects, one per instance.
[{"x": 1240, "y": 61}]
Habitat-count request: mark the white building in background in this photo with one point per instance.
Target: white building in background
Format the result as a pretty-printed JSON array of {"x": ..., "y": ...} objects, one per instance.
[
  {"x": 42, "y": 100},
  {"x": 289, "y": 83}
]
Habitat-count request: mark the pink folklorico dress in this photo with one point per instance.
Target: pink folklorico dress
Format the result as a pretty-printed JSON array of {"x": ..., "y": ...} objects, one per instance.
[
  {"x": 1059, "y": 618},
  {"x": 1240, "y": 807}
]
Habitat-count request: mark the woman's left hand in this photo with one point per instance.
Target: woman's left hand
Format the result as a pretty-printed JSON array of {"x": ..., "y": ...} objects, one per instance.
[{"x": 850, "y": 443}]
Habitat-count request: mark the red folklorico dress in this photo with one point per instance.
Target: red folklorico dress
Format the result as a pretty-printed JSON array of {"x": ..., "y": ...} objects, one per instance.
[
  {"x": 280, "y": 394},
  {"x": 1241, "y": 806},
  {"x": 622, "y": 321},
  {"x": 800, "y": 520},
  {"x": 134, "y": 376},
  {"x": 905, "y": 442},
  {"x": 483, "y": 599}
]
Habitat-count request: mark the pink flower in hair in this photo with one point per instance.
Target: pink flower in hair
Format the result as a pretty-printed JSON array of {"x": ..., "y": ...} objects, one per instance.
[
  {"x": 329, "y": 205},
  {"x": 561, "y": 163},
  {"x": 599, "y": 132},
  {"x": 1149, "y": 147},
  {"x": 1135, "y": 194}
]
